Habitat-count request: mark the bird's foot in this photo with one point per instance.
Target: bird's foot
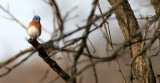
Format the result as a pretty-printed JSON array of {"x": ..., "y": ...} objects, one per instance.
[{"x": 31, "y": 39}]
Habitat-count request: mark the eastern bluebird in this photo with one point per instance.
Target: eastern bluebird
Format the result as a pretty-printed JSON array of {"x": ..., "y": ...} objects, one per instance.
[{"x": 34, "y": 28}]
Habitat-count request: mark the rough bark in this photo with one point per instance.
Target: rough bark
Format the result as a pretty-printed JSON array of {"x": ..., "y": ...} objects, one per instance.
[
  {"x": 142, "y": 67},
  {"x": 156, "y": 5}
]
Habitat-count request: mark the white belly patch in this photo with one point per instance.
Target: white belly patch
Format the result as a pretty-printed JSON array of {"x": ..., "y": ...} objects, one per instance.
[{"x": 33, "y": 32}]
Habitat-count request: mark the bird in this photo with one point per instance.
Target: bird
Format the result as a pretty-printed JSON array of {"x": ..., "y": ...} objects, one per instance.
[{"x": 34, "y": 27}]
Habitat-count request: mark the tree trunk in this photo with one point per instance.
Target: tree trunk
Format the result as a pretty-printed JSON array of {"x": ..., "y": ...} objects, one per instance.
[
  {"x": 142, "y": 67},
  {"x": 156, "y": 5}
]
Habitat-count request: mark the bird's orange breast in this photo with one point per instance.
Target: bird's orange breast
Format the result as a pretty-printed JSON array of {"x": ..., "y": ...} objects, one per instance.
[{"x": 36, "y": 24}]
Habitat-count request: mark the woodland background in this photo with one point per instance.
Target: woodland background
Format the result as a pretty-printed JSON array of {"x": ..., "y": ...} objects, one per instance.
[{"x": 15, "y": 16}]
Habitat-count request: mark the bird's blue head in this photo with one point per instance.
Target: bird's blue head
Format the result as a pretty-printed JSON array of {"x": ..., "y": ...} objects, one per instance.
[{"x": 36, "y": 18}]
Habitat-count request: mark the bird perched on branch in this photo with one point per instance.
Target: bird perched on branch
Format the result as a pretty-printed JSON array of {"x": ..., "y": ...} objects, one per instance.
[{"x": 34, "y": 28}]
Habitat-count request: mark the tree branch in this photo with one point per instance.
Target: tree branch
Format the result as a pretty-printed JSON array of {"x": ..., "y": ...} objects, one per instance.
[{"x": 48, "y": 60}]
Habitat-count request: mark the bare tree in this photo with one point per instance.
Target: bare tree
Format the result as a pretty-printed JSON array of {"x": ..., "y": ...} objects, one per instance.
[{"x": 141, "y": 69}]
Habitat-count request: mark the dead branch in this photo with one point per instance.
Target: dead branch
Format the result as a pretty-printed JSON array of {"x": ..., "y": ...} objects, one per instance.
[{"x": 48, "y": 60}]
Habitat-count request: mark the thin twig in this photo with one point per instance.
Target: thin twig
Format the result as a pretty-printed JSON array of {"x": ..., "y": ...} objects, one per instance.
[
  {"x": 4, "y": 63},
  {"x": 13, "y": 17},
  {"x": 16, "y": 65},
  {"x": 110, "y": 42},
  {"x": 94, "y": 67}
]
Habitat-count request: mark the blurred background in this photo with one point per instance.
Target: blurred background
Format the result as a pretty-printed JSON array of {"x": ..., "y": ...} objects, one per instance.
[{"x": 13, "y": 39}]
